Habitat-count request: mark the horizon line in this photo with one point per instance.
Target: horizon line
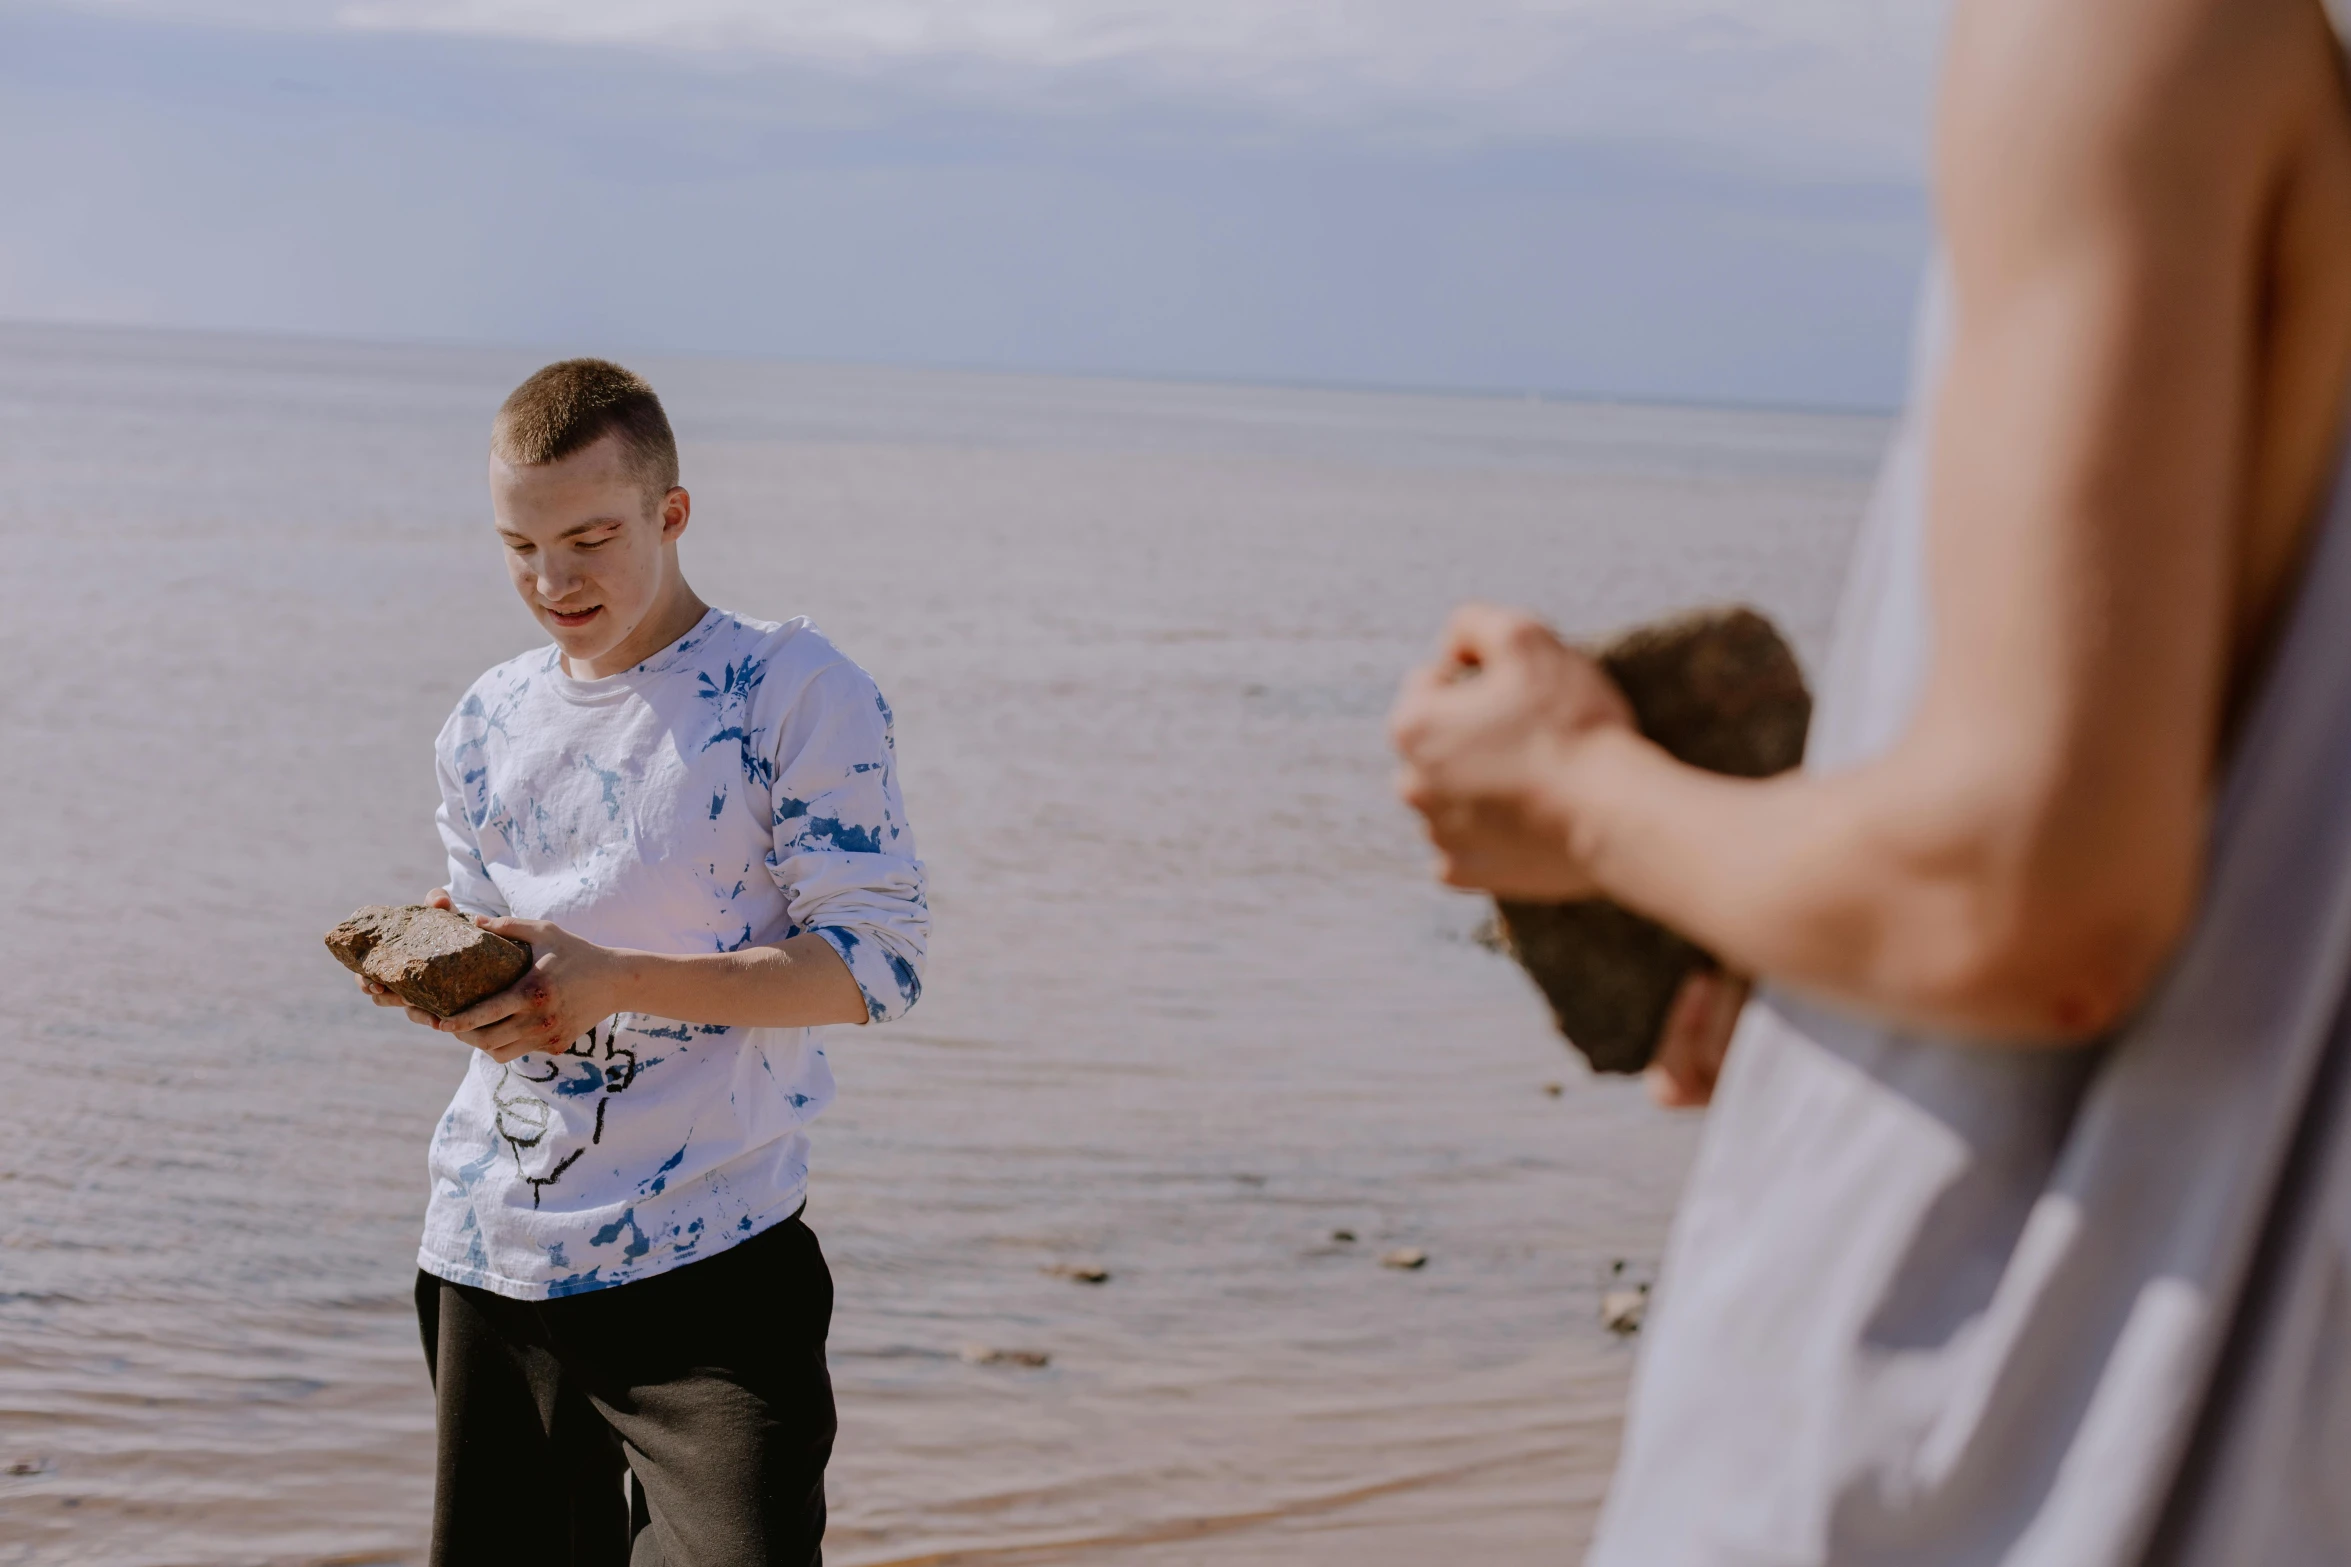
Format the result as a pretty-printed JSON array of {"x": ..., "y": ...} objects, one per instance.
[{"x": 1265, "y": 383}]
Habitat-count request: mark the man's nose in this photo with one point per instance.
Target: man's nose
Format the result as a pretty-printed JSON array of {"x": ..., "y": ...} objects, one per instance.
[{"x": 558, "y": 579}]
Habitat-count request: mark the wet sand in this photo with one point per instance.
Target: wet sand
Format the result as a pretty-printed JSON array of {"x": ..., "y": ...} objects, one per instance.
[{"x": 1193, "y": 1006}]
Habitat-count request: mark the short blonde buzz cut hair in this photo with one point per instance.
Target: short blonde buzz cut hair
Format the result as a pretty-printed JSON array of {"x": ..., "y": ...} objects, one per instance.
[{"x": 574, "y": 403}]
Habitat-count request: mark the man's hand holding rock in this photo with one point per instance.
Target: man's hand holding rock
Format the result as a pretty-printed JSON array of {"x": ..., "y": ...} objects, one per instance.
[
  {"x": 569, "y": 987},
  {"x": 573, "y": 984}
]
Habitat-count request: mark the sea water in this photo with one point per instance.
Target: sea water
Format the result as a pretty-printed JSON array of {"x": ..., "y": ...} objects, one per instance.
[{"x": 1194, "y": 1007}]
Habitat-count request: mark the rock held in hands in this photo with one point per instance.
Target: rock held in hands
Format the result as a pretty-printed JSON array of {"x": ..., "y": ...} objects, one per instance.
[
  {"x": 430, "y": 958},
  {"x": 1720, "y": 690},
  {"x": 1609, "y": 974}
]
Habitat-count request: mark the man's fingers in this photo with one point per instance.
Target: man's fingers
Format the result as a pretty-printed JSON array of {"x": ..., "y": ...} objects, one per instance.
[
  {"x": 1697, "y": 1036},
  {"x": 1478, "y": 634},
  {"x": 1415, "y": 790},
  {"x": 497, "y": 1031},
  {"x": 1670, "y": 1091},
  {"x": 497, "y": 1041},
  {"x": 1474, "y": 630},
  {"x": 510, "y": 1002},
  {"x": 1432, "y": 708},
  {"x": 515, "y": 1036},
  {"x": 533, "y": 931},
  {"x": 438, "y": 898},
  {"x": 1420, "y": 700},
  {"x": 387, "y": 998}
]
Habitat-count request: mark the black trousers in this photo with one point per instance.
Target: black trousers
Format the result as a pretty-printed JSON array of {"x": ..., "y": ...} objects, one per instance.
[{"x": 706, "y": 1384}]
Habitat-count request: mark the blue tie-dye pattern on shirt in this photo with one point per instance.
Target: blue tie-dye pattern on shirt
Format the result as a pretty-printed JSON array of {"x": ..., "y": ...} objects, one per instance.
[
  {"x": 611, "y": 785},
  {"x": 830, "y": 832},
  {"x": 623, "y": 1154},
  {"x": 731, "y": 696}
]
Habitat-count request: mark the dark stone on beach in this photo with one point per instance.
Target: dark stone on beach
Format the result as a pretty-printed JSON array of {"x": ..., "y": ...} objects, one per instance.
[
  {"x": 1721, "y": 690},
  {"x": 1343, "y": 1237},
  {"x": 1026, "y": 1359},
  {"x": 1405, "y": 1258},
  {"x": 430, "y": 958},
  {"x": 1079, "y": 1272}
]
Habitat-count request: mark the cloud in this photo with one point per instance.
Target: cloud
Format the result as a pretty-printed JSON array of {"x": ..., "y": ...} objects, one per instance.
[
  {"x": 1836, "y": 86},
  {"x": 1120, "y": 187}
]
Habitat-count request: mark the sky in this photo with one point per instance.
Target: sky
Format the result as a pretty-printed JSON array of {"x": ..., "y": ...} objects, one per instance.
[{"x": 1707, "y": 200}]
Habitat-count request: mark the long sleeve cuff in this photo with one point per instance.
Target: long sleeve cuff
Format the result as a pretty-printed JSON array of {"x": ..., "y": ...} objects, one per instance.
[{"x": 890, "y": 982}]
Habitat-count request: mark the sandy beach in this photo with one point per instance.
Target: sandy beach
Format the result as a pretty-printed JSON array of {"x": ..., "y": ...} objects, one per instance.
[{"x": 1194, "y": 1007}]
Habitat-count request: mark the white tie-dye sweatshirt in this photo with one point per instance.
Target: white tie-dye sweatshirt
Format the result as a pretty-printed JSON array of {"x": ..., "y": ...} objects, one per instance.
[{"x": 737, "y": 788}]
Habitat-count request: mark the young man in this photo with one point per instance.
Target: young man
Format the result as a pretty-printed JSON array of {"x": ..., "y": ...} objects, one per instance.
[{"x": 694, "y": 820}]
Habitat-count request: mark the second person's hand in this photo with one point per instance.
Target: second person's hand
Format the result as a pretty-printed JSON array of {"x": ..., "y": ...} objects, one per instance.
[{"x": 1483, "y": 732}]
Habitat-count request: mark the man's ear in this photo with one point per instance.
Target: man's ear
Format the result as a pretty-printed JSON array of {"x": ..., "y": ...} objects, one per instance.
[{"x": 677, "y": 509}]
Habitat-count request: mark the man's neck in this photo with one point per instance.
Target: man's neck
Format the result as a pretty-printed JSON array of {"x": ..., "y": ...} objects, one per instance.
[{"x": 679, "y": 613}]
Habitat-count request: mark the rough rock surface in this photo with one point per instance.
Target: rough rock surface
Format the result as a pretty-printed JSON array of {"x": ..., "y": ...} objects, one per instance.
[
  {"x": 1718, "y": 689},
  {"x": 428, "y": 957}
]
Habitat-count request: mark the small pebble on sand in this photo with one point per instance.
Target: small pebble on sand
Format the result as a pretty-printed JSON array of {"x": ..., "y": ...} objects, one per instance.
[
  {"x": 1343, "y": 1237},
  {"x": 983, "y": 1355},
  {"x": 1079, "y": 1272},
  {"x": 29, "y": 1466},
  {"x": 1621, "y": 1311},
  {"x": 1555, "y": 1089},
  {"x": 1405, "y": 1257}
]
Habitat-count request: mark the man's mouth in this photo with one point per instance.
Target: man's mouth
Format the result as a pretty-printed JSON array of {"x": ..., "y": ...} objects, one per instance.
[{"x": 572, "y": 618}]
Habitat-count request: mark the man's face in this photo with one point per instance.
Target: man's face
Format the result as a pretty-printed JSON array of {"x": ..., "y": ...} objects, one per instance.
[{"x": 591, "y": 549}]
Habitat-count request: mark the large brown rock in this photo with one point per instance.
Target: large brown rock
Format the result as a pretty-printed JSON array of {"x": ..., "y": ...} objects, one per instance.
[
  {"x": 1718, "y": 689},
  {"x": 428, "y": 957}
]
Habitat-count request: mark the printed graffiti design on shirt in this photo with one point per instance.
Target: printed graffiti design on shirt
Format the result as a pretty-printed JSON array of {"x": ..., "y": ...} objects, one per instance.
[{"x": 525, "y": 1119}]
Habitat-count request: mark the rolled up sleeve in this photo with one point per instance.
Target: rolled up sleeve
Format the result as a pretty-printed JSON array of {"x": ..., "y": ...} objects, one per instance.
[{"x": 844, "y": 855}]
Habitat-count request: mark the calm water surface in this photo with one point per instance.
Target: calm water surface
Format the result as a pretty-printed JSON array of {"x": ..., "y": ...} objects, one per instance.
[{"x": 1192, "y": 1007}]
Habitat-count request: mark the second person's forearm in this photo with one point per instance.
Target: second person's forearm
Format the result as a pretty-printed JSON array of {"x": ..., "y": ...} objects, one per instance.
[{"x": 1893, "y": 888}]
